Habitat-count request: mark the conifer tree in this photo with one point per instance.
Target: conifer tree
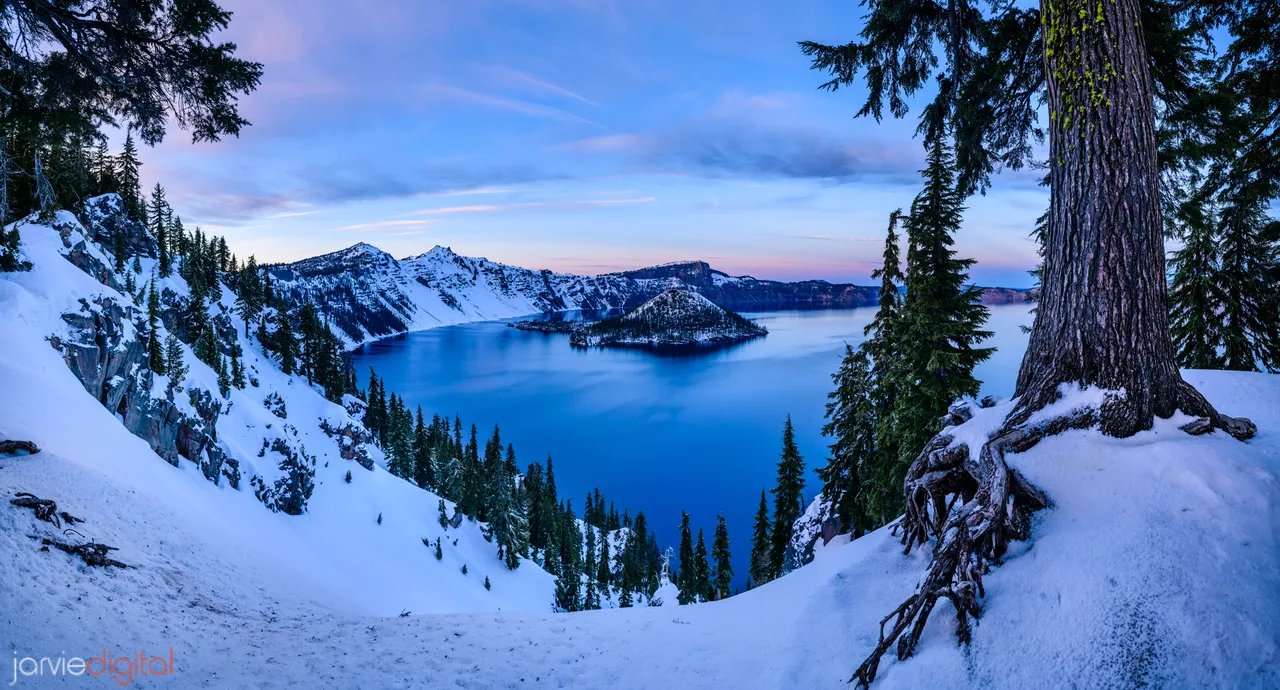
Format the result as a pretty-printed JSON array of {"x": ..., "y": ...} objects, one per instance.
[
  {"x": 127, "y": 165},
  {"x": 224, "y": 377},
  {"x": 159, "y": 219},
  {"x": 1250, "y": 310},
  {"x": 723, "y": 560},
  {"x": 155, "y": 351},
  {"x": 851, "y": 418},
  {"x": 569, "y": 583},
  {"x": 702, "y": 570},
  {"x": 591, "y": 597},
  {"x": 883, "y": 347},
  {"x": 249, "y": 295},
  {"x": 687, "y": 579},
  {"x": 1195, "y": 295},
  {"x": 423, "y": 470},
  {"x": 237, "y": 368},
  {"x": 286, "y": 344},
  {"x": 174, "y": 367},
  {"x": 444, "y": 516},
  {"x": 787, "y": 501},
  {"x": 604, "y": 574},
  {"x": 761, "y": 562},
  {"x": 942, "y": 317}
]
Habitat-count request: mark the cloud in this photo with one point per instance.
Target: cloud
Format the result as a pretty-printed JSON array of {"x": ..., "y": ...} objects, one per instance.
[
  {"x": 293, "y": 214},
  {"x": 448, "y": 92},
  {"x": 528, "y": 81},
  {"x": 385, "y": 224},
  {"x": 747, "y": 137},
  {"x": 834, "y": 238},
  {"x": 487, "y": 208}
]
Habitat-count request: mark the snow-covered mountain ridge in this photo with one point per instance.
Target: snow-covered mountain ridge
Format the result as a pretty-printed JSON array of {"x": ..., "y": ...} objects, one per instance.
[{"x": 369, "y": 294}]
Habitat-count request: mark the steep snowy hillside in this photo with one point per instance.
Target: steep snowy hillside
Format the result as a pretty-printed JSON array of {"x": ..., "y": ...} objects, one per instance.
[
  {"x": 1157, "y": 566},
  {"x": 194, "y": 477}
]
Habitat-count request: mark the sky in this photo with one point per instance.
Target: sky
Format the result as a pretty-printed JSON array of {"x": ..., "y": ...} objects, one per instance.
[{"x": 584, "y": 136}]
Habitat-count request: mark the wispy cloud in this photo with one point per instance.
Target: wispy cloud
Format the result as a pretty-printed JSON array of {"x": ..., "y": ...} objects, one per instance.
[
  {"x": 528, "y": 81},
  {"x": 385, "y": 225},
  {"x": 447, "y": 91},
  {"x": 487, "y": 208},
  {"x": 291, "y": 214},
  {"x": 834, "y": 238}
]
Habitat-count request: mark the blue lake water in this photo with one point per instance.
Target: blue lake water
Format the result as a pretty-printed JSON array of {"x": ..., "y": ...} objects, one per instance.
[{"x": 698, "y": 432}]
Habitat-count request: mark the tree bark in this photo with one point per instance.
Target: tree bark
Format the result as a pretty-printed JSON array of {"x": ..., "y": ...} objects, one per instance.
[{"x": 1102, "y": 318}]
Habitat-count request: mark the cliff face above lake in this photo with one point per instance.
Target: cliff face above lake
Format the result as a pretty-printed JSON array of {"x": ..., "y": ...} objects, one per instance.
[{"x": 674, "y": 318}]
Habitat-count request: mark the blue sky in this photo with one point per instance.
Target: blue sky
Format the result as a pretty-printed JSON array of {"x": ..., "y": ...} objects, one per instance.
[{"x": 577, "y": 135}]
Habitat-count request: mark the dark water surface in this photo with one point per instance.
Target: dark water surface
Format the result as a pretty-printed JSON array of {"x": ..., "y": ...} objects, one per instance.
[{"x": 699, "y": 432}]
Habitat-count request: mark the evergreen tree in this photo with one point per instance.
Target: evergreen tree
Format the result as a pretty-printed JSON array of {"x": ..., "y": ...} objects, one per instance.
[
  {"x": 127, "y": 165},
  {"x": 1251, "y": 299},
  {"x": 883, "y": 346},
  {"x": 591, "y": 597},
  {"x": 1195, "y": 295},
  {"x": 604, "y": 573},
  {"x": 155, "y": 351},
  {"x": 686, "y": 579},
  {"x": 702, "y": 570},
  {"x": 444, "y": 516},
  {"x": 724, "y": 567},
  {"x": 249, "y": 296},
  {"x": 237, "y": 368},
  {"x": 787, "y": 501},
  {"x": 174, "y": 367},
  {"x": 224, "y": 377},
  {"x": 851, "y": 418},
  {"x": 159, "y": 218},
  {"x": 569, "y": 583},
  {"x": 761, "y": 562},
  {"x": 423, "y": 472},
  {"x": 286, "y": 343}
]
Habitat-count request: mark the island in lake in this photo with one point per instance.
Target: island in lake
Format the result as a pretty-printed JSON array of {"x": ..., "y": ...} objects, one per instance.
[{"x": 674, "y": 318}]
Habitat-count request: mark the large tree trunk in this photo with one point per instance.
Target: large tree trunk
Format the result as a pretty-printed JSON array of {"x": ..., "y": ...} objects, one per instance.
[{"x": 1102, "y": 317}]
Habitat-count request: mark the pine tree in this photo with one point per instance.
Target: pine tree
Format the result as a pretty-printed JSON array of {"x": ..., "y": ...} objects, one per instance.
[
  {"x": 1251, "y": 300},
  {"x": 604, "y": 574},
  {"x": 130, "y": 183},
  {"x": 686, "y": 579},
  {"x": 155, "y": 351},
  {"x": 224, "y": 377},
  {"x": 851, "y": 416},
  {"x": 787, "y": 501},
  {"x": 173, "y": 364},
  {"x": 237, "y": 368},
  {"x": 702, "y": 570},
  {"x": 761, "y": 562},
  {"x": 444, "y": 516},
  {"x": 591, "y": 597},
  {"x": 249, "y": 296},
  {"x": 423, "y": 473},
  {"x": 159, "y": 217},
  {"x": 883, "y": 346},
  {"x": 569, "y": 583},
  {"x": 942, "y": 316},
  {"x": 1195, "y": 296},
  {"x": 286, "y": 344},
  {"x": 724, "y": 567}
]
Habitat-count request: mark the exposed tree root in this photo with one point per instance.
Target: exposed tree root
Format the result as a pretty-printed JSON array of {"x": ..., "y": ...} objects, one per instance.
[
  {"x": 12, "y": 446},
  {"x": 45, "y": 509},
  {"x": 995, "y": 505},
  {"x": 91, "y": 553}
]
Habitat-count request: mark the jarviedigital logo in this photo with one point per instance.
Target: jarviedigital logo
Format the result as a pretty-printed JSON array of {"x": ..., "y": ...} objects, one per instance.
[{"x": 120, "y": 668}]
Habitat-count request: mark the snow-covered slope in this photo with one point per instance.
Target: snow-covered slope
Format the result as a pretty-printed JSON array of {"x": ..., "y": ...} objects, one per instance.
[
  {"x": 177, "y": 520},
  {"x": 1158, "y": 564}
]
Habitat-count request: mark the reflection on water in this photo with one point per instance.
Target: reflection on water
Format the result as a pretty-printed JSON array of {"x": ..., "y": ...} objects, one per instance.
[{"x": 698, "y": 431}]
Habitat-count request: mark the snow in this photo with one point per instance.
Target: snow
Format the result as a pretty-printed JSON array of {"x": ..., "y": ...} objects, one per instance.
[{"x": 1158, "y": 563}]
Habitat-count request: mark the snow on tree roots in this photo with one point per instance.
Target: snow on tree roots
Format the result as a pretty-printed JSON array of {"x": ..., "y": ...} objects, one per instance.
[{"x": 995, "y": 505}]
